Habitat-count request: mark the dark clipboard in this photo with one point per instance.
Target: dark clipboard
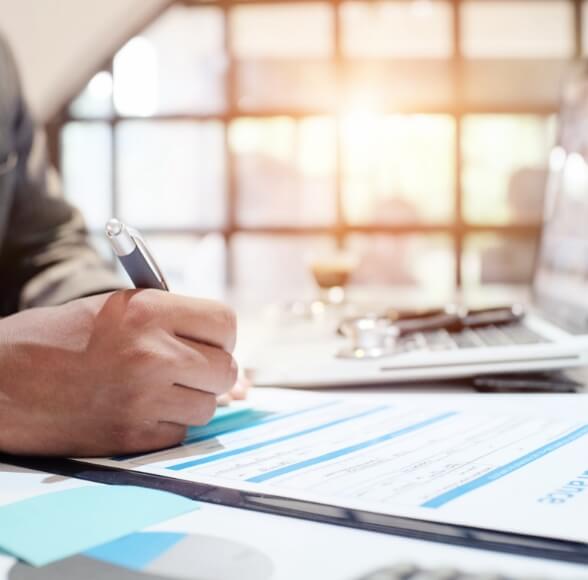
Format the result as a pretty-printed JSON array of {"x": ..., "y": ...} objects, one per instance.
[{"x": 464, "y": 536}]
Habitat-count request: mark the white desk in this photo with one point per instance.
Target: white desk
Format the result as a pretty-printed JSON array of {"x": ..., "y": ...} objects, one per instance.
[
  {"x": 298, "y": 549},
  {"x": 242, "y": 545}
]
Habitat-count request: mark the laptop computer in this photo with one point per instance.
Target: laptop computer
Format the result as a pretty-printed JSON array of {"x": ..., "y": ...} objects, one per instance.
[{"x": 553, "y": 334}]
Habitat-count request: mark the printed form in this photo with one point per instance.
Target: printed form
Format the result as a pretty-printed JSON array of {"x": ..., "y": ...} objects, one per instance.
[{"x": 510, "y": 468}]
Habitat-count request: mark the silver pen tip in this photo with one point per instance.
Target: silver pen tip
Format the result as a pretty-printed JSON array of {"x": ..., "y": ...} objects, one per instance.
[{"x": 113, "y": 228}]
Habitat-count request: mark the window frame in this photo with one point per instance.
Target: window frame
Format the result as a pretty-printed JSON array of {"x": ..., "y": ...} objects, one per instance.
[{"x": 458, "y": 229}]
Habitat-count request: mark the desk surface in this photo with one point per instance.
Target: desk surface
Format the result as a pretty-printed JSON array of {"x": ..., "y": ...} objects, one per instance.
[
  {"x": 234, "y": 544},
  {"x": 291, "y": 548},
  {"x": 301, "y": 549}
]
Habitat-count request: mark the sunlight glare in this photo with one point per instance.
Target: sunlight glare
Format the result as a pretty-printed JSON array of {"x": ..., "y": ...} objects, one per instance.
[
  {"x": 136, "y": 78},
  {"x": 100, "y": 87},
  {"x": 557, "y": 159},
  {"x": 576, "y": 176}
]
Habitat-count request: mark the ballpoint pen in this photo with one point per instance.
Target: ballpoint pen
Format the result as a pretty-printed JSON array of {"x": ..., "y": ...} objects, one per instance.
[
  {"x": 134, "y": 255},
  {"x": 132, "y": 252}
]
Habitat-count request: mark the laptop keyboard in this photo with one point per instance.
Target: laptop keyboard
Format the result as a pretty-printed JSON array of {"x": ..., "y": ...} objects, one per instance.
[
  {"x": 413, "y": 572},
  {"x": 503, "y": 335}
]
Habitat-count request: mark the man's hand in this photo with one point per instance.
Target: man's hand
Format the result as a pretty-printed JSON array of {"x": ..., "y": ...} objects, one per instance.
[{"x": 117, "y": 373}]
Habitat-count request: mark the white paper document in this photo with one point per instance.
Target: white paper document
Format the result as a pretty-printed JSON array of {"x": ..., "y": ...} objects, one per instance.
[
  {"x": 234, "y": 544},
  {"x": 510, "y": 467}
]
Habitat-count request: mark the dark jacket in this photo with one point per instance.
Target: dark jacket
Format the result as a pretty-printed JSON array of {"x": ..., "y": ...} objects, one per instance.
[{"x": 45, "y": 258}]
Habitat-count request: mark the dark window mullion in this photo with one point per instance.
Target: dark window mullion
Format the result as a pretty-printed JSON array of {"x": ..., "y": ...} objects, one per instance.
[
  {"x": 578, "y": 29},
  {"x": 457, "y": 71},
  {"x": 339, "y": 65},
  {"x": 458, "y": 230},
  {"x": 230, "y": 164}
]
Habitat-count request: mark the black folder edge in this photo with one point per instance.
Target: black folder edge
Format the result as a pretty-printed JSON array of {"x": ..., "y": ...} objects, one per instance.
[{"x": 456, "y": 535}]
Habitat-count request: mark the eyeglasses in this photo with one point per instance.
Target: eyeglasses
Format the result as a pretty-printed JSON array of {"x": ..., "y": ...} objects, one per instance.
[{"x": 375, "y": 336}]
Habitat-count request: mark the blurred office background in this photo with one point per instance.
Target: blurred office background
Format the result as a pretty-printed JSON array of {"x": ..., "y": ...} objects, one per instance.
[{"x": 241, "y": 136}]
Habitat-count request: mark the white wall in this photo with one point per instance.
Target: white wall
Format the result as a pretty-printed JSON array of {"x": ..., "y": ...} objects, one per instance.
[{"x": 59, "y": 43}]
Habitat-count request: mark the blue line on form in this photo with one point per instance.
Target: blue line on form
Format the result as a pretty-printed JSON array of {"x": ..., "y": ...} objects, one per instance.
[
  {"x": 232, "y": 425},
  {"x": 212, "y": 433},
  {"x": 495, "y": 474},
  {"x": 346, "y": 450},
  {"x": 261, "y": 444}
]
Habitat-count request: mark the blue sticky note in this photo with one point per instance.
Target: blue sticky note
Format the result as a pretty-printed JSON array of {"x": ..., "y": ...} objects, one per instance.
[
  {"x": 222, "y": 416},
  {"x": 52, "y": 526},
  {"x": 135, "y": 551},
  {"x": 229, "y": 411}
]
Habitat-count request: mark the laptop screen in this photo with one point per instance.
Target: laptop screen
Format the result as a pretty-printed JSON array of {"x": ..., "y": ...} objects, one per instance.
[{"x": 561, "y": 277}]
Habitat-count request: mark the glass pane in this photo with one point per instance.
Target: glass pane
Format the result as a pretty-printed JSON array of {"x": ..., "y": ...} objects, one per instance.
[
  {"x": 397, "y": 29},
  {"x": 493, "y": 259},
  {"x": 517, "y": 29},
  {"x": 504, "y": 169},
  {"x": 398, "y": 169},
  {"x": 427, "y": 263},
  {"x": 285, "y": 31},
  {"x": 86, "y": 152},
  {"x": 276, "y": 267},
  {"x": 523, "y": 83},
  {"x": 176, "y": 66},
  {"x": 304, "y": 84},
  {"x": 136, "y": 85},
  {"x": 279, "y": 66},
  {"x": 285, "y": 171},
  {"x": 183, "y": 260},
  {"x": 95, "y": 101},
  {"x": 400, "y": 85},
  {"x": 171, "y": 174}
]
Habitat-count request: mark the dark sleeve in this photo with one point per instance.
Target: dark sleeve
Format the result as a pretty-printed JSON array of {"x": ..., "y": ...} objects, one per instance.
[{"x": 46, "y": 258}]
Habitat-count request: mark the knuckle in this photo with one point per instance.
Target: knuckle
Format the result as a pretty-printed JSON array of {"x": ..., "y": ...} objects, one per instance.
[
  {"x": 230, "y": 372},
  {"x": 182, "y": 357},
  {"x": 229, "y": 324},
  {"x": 167, "y": 358},
  {"x": 135, "y": 402},
  {"x": 205, "y": 410},
  {"x": 140, "y": 309},
  {"x": 141, "y": 355}
]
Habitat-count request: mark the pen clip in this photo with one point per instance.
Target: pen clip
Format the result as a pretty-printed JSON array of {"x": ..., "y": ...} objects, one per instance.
[{"x": 144, "y": 249}]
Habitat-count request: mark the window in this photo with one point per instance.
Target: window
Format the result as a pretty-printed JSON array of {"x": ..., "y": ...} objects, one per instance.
[
  {"x": 285, "y": 171},
  {"x": 171, "y": 175},
  {"x": 242, "y": 137},
  {"x": 526, "y": 29},
  {"x": 503, "y": 171},
  {"x": 398, "y": 168},
  {"x": 397, "y": 29}
]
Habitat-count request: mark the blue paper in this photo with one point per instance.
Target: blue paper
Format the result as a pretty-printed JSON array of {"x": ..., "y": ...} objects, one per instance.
[
  {"x": 224, "y": 416},
  {"x": 229, "y": 411},
  {"x": 224, "y": 420},
  {"x": 135, "y": 551},
  {"x": 53, "y": 526}
]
